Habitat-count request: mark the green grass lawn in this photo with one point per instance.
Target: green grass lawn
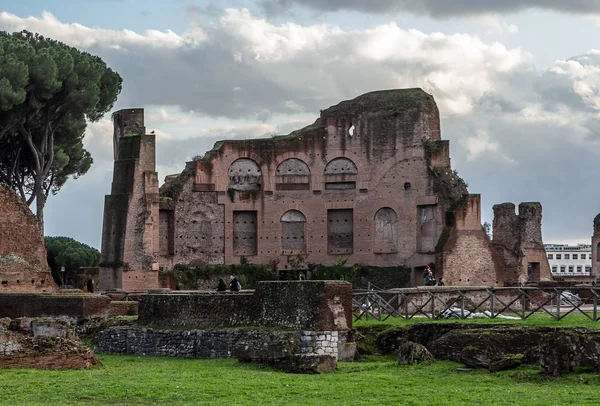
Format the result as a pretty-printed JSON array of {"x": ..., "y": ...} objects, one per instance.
[
  {"x": 374, "y": 381},
  {"x": 538, "y": 319}
]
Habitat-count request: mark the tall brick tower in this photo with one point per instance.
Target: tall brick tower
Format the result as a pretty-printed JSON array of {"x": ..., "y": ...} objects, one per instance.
[
  {"x": 596, "y": 249},
  {"x": 130, "y": 226}
]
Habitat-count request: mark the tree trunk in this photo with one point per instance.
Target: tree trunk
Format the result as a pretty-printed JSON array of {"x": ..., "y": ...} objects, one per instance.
[{"x": 40, "y": 202}]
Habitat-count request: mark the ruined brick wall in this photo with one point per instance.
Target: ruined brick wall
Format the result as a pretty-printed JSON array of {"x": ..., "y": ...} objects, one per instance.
[
  {"x": 518, "y": 242},
  {"x": 194, "y": 230},
  {"x": 310, "y": 305},
  {"x": 130, "y": 232},
  {"x": 468, "y": 257},
  {"x": 76, "y": 307},
  {"x": 42, "y": 344},
  {"x": 23, "y": 263},
  {"x": 359, "y": 177},
  {"x": 596, "y": 249}
]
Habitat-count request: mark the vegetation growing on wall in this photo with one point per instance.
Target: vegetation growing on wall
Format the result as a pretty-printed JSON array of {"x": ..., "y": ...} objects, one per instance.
[
  {"x": 390, "y": 102},
  {"x": 187, "y": 276},
  {"x": 361, "y": 275},
  {"x": 173, "y": 187},
  {"x": 450, "y": 187}
]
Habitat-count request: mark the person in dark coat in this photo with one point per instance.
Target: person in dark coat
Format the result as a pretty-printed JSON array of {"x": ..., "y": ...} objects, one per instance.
[
  {"x": 222, "y": 287},
  {"x": 90, "y": 286},
  {"x": 235, "y": 285}
]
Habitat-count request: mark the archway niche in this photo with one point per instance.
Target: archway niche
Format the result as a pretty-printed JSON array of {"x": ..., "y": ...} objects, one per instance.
[
  {"x": 292, "y": 231},
  {"x": 244, "y": 175},
  {"x": 340, "y": 173},
  {"x": 292, "y": 174},
  {"x": 386, "y": 231}
]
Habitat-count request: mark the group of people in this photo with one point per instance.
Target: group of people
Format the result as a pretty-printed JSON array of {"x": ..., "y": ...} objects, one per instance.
[
  {"x": 234, "y": 285},
  {"x": 429, "y": 278}
]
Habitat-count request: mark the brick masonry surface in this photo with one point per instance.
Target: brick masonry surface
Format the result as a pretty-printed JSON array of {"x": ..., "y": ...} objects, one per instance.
[{"x": 23, "y": 264}]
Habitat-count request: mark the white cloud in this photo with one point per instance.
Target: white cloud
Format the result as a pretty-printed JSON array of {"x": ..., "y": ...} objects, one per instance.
[
  {"x": 81, "y": 36},
  {"x": 248, "y": 66},
  {"x": 584, "y": 72}
]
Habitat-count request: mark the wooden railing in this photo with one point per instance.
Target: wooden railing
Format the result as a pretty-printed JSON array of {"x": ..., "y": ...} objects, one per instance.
[{"x": 462, "y": 302}]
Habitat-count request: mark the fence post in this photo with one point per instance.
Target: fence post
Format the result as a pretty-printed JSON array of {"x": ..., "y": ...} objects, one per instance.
[
  {"x": 558, "y": 297},
  {"x": 523, "y": 304},
  {"x": 492, "y": 296}
]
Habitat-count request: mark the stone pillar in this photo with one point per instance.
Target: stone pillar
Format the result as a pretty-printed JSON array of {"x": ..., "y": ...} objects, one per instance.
[{"x": 130, "y": 226}]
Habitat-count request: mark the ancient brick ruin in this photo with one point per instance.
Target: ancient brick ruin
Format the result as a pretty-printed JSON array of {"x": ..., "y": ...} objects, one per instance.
[
  {"x": 298, "y": 326},
  {"x": 42, "y": 343},
  {"x": 518, "y": 242},
  {"x": 515, "y": 255},
  {"x": 23, "y": 263},
  {"x": 369, "y": 181},
  {"x": 130, "y": 228}
]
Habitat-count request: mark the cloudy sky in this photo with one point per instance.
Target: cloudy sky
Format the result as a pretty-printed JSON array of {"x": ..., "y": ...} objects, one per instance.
[{"x": 517, "y": 83}]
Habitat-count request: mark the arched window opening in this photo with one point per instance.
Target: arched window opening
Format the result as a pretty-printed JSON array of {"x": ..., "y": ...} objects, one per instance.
[
  {"x": 341, "y": 166},
  {"x": 340, "y": 173},
  {"x": 292, "y": 231},
  {"x": 244, "y": 175},
  {"x": 292, "y": 174}
]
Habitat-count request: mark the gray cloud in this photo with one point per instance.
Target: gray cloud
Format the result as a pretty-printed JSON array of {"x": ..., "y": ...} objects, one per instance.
[{"x": 434, "y": 8}]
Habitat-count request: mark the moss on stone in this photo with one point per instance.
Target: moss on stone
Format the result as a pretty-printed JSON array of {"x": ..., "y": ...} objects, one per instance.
[
  {"x": 172, "y": 188},
  {"x": 387, "y": 102}
]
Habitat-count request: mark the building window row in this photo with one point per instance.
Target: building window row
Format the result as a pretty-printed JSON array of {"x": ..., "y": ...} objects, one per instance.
[
  {"x": 340, "y": 231},
  {"x": 571, "y": 269},
  {"x": 570, "y": 256}
]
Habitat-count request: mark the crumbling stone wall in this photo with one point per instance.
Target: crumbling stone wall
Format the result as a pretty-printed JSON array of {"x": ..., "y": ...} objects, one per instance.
[
  {"x": 468, "y": 257},
  {"x": 23, "y": 263},
  {"x": 213, "y": 343},
  {"x": 517, "y": 241},
  {"x": 42, "y": 343},
  {"x": 293, "y": 351}
]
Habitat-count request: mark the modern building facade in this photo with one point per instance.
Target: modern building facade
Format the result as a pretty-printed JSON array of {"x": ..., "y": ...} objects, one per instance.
[{"x": 569, "y": 261}]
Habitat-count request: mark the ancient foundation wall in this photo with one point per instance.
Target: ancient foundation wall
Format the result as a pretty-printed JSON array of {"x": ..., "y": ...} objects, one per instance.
[
  {"x": 76, "y": 307},
  {"x": 213, "y": 343},
  {"x": 308, "y": 305}
]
